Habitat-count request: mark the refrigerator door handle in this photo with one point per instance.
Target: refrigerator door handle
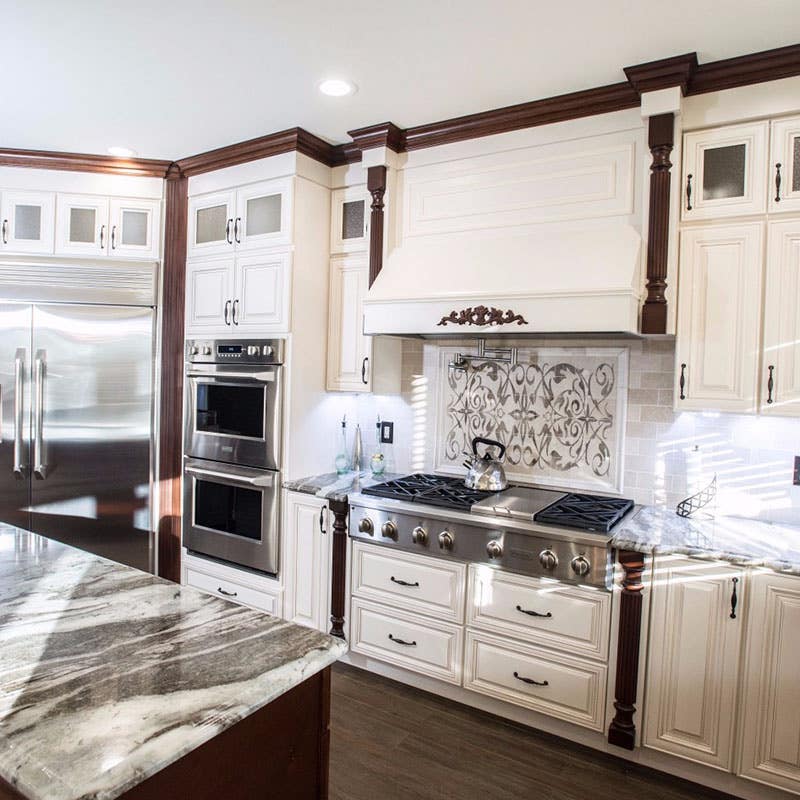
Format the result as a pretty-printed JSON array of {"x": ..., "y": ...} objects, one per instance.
[
  {"x": 19, "y": 377},
  {"x": 39, "y": 466}
]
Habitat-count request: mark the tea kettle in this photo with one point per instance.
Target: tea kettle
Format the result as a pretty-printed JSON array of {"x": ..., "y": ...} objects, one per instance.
[{"x": 484, "y": 473}]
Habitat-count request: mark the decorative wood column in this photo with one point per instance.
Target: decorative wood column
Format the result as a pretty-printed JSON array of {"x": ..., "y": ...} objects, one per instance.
[
  {"x": 339, "y": 508},
  {"x": 622, "y": 730},
  {"x": 376, "y": 184},
  {"x": 661, "y": 141}
]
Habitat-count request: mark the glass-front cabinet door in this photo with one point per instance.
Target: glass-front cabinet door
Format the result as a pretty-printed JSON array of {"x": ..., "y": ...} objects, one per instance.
[
  {"x": 211, "y": 218},
  {"x": 82, "y": 224},
  {"x": 349, "y": 220},
  {"x": 784, "y": 184},
  {"x": 724, "y": 172},
  {"x": 27, "y": 221},
  {"x": 134, "y": 228},
  {"x": 263, "y": 211}
]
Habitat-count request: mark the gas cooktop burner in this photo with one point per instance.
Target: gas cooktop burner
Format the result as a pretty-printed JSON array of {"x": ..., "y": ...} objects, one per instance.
[
  {"x": 586, "y": 512},
  {"x": 434, "y": 490}
]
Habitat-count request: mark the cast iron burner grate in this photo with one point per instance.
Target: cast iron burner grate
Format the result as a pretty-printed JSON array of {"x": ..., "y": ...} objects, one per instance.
[
  {"x": 586, "y": 512},
  {"x": 431, "y": 489}
]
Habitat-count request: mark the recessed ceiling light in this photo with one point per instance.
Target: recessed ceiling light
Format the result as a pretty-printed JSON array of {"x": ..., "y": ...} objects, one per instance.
[
  {"x": 336, "y": 87},
  {"x": 121, "y": 152}
]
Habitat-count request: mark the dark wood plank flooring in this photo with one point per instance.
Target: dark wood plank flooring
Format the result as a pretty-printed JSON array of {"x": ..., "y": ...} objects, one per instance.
[{"x": 391, "y": 741}]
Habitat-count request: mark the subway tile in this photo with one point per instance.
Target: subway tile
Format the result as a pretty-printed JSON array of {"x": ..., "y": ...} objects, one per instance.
[
  {"x": 657, "y": 380},
  {"x": 657, "y": 414}
]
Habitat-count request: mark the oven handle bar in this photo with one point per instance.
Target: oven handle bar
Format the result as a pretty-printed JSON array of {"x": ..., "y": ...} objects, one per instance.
[
  {"x": 241, "y": 376},
  {"x": 261, "y": 481}
]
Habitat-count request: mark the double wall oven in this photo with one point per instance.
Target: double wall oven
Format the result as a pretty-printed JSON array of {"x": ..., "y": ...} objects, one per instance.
[{"x": 232, "y": 451}]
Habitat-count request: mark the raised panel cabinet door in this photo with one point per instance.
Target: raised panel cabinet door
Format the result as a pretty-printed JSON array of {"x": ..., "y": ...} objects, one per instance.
[
  {"x": 770, "y": 722},
  {"x": 719, "y": 317},
  {"x": 27, "y": 221},
  {"x": 82, "y": 224},
  {"x": 261, "y": 297},
  {"x": 211, "y": 218},
  {"x": 725, "y": 172},
  {"x": 784, "y": 166},
  {"x": 209, "y": 296},
  {"x": 306, "y": 561},
  {"x": 693, "y": 662},
  {"x": 263, "y": 215},
  {"x": 349, "y": 351},
  {"x": 349, "y": 219},
  {"x": 135, "y": 227},
  {"x": 780, "y": 367}
]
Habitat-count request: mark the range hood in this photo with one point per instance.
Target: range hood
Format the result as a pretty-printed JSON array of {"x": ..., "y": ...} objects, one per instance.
[{"x": 554, "y": 282}]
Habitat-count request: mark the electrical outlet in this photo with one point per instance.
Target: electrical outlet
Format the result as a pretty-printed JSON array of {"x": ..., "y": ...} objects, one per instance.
[
  {"x": 796, "y": 478},
  {"x": 387, "y": 432}
]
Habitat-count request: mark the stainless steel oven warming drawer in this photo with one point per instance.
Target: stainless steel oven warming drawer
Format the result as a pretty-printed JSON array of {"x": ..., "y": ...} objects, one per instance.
[{"x": 232, "y": 513}]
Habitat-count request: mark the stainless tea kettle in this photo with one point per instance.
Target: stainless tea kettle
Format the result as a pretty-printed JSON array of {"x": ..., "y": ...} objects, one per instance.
[{"x": 484, "y": 472}]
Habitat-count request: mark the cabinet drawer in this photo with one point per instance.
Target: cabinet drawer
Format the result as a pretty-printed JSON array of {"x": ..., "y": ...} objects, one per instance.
[
  {"x": 236, "y": 592},
  {"x": 543, "y": 612},
  {"x": 405, "y": 640},
  {"x": 568, "y": 688},
  {"x": 418, "y": 583}
]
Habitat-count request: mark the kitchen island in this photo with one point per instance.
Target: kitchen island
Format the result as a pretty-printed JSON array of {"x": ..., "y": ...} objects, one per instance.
[{"x": 115, "y": 683}]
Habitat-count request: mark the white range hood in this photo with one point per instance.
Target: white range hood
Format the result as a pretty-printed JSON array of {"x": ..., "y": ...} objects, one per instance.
[{"x": 563, "y": 281}]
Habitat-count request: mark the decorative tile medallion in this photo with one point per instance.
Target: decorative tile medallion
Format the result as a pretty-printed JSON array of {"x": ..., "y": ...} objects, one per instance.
[{"x": 559, "y": 411}]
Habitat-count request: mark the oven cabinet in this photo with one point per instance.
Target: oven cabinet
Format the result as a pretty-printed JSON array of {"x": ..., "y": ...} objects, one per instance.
[
  {"x": 306, "y": 560},
  {"x": 357, "y": 363},
  {"x": 28, "y": 221},
  {"x": 693, "y": 663}
]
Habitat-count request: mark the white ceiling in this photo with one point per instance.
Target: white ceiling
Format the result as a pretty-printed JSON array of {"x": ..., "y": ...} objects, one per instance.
[{"x": 172, "y": 78}]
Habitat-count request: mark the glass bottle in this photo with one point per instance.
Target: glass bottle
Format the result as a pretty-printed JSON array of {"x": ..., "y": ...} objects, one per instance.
[
  {"x": 342, "y": 462},
  {"x": 377, "y": 462}
]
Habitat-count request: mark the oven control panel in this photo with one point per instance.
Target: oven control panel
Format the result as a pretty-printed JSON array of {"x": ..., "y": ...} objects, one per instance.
[{"x": 241, "y": 351}]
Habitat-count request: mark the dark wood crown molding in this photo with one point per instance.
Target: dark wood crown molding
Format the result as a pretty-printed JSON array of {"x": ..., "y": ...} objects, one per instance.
[
  {"x": 84, "y": 162},
  {"x": 768, "y": 65},
  {"x": 385, "y": 134},
  {"x": 661, "y": 74}
]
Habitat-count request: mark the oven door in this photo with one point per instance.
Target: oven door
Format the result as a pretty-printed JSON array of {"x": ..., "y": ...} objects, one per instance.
[
  {"x": 233, "y": 414},
  {"x": 232, "y": 513}
]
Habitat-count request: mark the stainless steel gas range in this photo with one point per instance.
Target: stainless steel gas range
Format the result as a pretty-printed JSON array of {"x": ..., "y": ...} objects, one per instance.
[{"x": 537, "y": 532}]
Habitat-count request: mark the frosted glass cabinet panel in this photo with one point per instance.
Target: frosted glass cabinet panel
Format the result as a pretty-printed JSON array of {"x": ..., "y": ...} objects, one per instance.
[
  {"x": 135, "y": 228},
  {"x": 82, "y": 224},
  {"x": 211, "y": 223},
  {"x": 724, "y": 172},
  {"x": 784, "y": 185},
  {"x": 28, "y": 221},
  {"x": 349, "y": 220},
  {"x": 262, "y": 215}
]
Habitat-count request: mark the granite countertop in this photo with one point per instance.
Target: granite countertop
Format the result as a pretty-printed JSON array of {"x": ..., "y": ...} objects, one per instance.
[
  {"x": 333, "y": 486},
  {"x": 656, "y": 530},
  {"x": 108, "y": 674}
]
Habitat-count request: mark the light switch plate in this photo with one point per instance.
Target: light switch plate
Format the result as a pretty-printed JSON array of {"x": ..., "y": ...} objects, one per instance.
[{"x": 387, "y": 432}]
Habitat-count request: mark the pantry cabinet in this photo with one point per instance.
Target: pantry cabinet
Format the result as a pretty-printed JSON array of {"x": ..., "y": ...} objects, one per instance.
[
  {"x": 784, "y": 187},
  {"x": 28, "y": 221}
]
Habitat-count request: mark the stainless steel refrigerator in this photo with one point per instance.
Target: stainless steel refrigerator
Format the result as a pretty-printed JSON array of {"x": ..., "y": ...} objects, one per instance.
[{"x": 76, "y": 431}]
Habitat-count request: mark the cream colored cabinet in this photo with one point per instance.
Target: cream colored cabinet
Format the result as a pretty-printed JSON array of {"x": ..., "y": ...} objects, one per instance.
[
  {"x": 724, "y": 172},
  {"x": 211, "y": 223},
  {"x": 719, "y": 317},
  {"x": 134, "y": 228},
  {"x": 770, "y": 721},
  {"x": 349, "y": 220},
  {"x": 209, "y": 289},
  {"x": 357, "y": 363},
  {"x": 784, "y": 186},
  {"x": 693, "y": 660},
  {"x": 780, "y": 369},
  {"x": 306, "y": 560},
  {"x": 28, "y": 221}
]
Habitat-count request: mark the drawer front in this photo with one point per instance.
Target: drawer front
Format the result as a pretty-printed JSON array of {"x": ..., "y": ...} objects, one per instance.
[
  {"x": 422, "y": 584},
  {"x": 405, "y": 640},
  {"x": 235, "y": 592},
  {"x": 567, "y": 688},
  {"x": 567, "y": 617}
]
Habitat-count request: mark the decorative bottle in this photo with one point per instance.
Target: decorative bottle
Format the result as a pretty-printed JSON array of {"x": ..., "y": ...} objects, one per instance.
[
  {"x": 377, "y": 463},
  {"x": 342, "y": 462}
]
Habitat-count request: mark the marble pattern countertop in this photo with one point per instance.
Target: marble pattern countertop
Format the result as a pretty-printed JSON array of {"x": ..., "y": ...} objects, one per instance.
[
  {"x": 655, "y": 530},
  {"x": 108, "y": 674},
  {"x": 333, "y": 486}
]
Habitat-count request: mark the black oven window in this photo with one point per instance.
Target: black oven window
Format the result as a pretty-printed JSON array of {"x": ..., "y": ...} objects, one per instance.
[
  {"x": 230, "y": 410},
  {"x": 231, "y": 509}
]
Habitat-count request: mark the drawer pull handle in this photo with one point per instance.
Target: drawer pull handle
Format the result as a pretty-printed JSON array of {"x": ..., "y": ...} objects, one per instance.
[
  {"x": 403, "y": 583},
  {"x": 530, "y": 681},
  {"x": 227, "y": 594},
  {"x": 734, "y": 598},
  {"x": 534, "y": 613},
  {"x": 401, "y": 641}
]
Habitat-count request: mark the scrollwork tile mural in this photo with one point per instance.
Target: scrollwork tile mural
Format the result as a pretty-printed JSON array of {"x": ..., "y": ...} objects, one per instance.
[{"x": 559, "y": 411}]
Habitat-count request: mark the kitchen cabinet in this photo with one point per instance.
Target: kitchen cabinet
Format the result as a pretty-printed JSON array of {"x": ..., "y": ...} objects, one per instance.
[
  {"x": 349, "y": 220},
  {"x": 770, "y": 719},
  {"x": 719, "y": 317},
  {"x": 357, "y": 363},
  {"x": 784, "y": 187},
  {"x": 693, "y": 661},
  {"x": 28, "y": 221},
  {"x": 134, "y": 226},
  {"x": 209, "y": 289},
  {"x": 725, "y": 172},
  {"x": 306, "y": 560}
]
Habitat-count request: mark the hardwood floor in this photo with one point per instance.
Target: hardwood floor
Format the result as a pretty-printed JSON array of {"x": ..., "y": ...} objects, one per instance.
[{"x": 392, "y": 741}]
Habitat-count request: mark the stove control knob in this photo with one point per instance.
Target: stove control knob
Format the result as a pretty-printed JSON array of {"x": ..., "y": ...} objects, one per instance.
[
  {"x": 446, "y": 540},
  {"x": 389, "y": 529},
  {"x": 581, "y": 566},
  {"x": 206, "y": 351},
  {"x": 267, "y": 350},
  {"x": 193, "y": 351},
  {"x": 548, "y": 559},
  {"x": 494, "y": 549},
  {"x": 365, "y": 526},
  {"x": 253, "y": 350},
  {"x": 419, "y": 535}
]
